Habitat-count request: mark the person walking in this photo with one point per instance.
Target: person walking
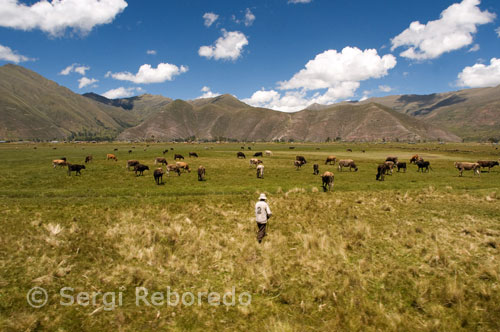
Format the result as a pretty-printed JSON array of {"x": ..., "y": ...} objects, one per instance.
[{"x": 262, "y": 215}]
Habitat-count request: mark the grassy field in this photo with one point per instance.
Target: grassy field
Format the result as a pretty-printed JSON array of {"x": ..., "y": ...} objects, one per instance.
[{"x": 417, "y": 252}]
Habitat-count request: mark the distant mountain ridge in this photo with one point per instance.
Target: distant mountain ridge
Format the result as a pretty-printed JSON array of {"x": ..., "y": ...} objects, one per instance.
[{"x": 32, "y": 107}]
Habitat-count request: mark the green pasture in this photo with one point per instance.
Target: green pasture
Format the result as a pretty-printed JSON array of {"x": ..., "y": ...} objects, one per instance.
[{"x": 417, "y": 252}]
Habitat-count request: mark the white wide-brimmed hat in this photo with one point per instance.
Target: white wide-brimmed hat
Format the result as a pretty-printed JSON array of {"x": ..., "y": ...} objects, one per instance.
[{"x": 262, "y": 196}]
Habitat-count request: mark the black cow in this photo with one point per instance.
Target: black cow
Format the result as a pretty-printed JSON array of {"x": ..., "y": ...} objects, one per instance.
[
  {"x": 301, "y": 159},
  {"x": 381, "y": 170},
  {"x": 158, "y": 175},
  {"x": 400, "y": 166},
  {"x": 249, "y": 148},
  {"x": 140, "y": 168},
  {"x": 423, "y": 165},
  {"x": 88, "y": 159},
  {"x": 193, "y": 154},
  {"x": 165, "y": 151},
  {"x": 178, "y": 156},
  {"x": 315, "y": 169},
  {"x": 75, "y": 168},
  {"x": 240, "y": 155},
  {"x": 257, "y": 154}
]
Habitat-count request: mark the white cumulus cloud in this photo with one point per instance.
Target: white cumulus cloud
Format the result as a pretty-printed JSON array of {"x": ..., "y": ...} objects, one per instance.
[
  {"x": 54, "y": 17},
  {"x": 384, "y": 88},
  {"x": 452, "y": 31},
  {"x": 331, "y": 68},
  {"x": 207, "y": 93},
  {"x": 151, "y": 52},
  {"x": 474, "y": 48},
  {"x": 7, "y": 54},
  {"x": 329, "y": 77},
  {"x": 210, "y": 18},
  {"x": 74, "y": 68},
  {"x": 249, "y": 17},
  {"x": 299, "y": 1},
  {"x": 147, "y": 74},
  {"x": 84, "y": 81},
  {"x": 121, "y": 92},
  {"x": 229, "y": 46},
  {"x": 498, "y": 31},
  {"x": 480, "y": 75}
]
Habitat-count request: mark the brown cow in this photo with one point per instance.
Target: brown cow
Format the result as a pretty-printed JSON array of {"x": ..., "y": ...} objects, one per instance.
[
  {"x": 381, "y": 170},
  {"x": 173, "y": 168},
  {"x": 327, "y": 181},
  {"x": 302, "y": 159},
  {"x": 331, "y": 160},
  {"x": 465, "y": 166},
  {"x": 201, "y": 173},
  {"x": 255, "y": 161},
  {"x": 183, "y": 165},
  {"x": 111, "y": 156},
  {"x": 132, "y": 163},
  {"x": 298, "y": 164},
  {"x": 347, "y": 163},
  {"x": 88, "y": 159},
  {"x": 140, "y": 168},
  {"x": 394, "y": 159},
  {"x": 487, "y": 163},
  {"x": 414, "y": 159},
  {"x": 158, "y": 175},
  {"x": 161, "y": 160},
  {"x": 59, "y": 162},
  {"x": 389, "y": 166}
]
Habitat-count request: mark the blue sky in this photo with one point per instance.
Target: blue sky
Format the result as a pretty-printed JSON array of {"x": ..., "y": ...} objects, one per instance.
[{"x": 279, "y": 54}]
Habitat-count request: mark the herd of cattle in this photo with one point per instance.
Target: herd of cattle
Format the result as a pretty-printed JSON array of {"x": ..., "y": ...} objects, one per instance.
[{"x": 385, "y": 168}]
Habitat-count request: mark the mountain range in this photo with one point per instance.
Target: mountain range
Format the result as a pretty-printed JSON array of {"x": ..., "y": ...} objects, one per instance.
[{"x": 33, "y": 107}]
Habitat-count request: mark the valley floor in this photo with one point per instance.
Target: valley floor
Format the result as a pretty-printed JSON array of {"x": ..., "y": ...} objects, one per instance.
[{"x": 417, "y": 252}]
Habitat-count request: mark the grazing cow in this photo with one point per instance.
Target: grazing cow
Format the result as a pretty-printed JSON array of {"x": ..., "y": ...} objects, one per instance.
[
  {"x": 349, "y": 150},
  {"x": 249, "y": 148},
  {"x": 269, "y": 153},
  {"x": 161, "y": 160},
  {"x": 414, "y": 159},
  {"x": 75, "y": 168},
  {"x": 115, "y": 149},
  {"x": 327, "y": 181},
  {"x": 178, "y": 156},
  {"x": 302, "y": 159},
  {"x": 389, "y": 167},
  {"x": 257, "y": 154},
  {"x": 158, "y": 175},
  {"x": 111, "y": 156},
  {"x": 298, "y": 164},
  {"x": 193, "y": 154},
  {"x": 487, "y": 163},
  {"x": 330, "y": 160},
  {"x": 423, "y": 165},
  {"x": 129, "y": 151},
  {"x": 59, "y": 162},
  {"x": 363, "y": 151},
  {"x": 171, "y": 149},
  {"x": 291, "y": 147},
  {"x": 132, "y": 163},
  {"x": 392, "y": 158},
  {"x": 240, "y": 155},
  {"x": 315, "y": 169},
  {"x": 242, "y": 147},
  {"x": 88, "y": 159},
  {"x": 464, "y": 166},
  {"x": 182, "y": 165},
  {"x": 140, "y": 168},
  {"x": 173, "y": 168},
  {"x": 401, "y": 166},
  {"x": 255, "y": 161},
  {"x": 260, "y": 171},
  {"x": 165, "y": 151},
  {"x": 201, "y": 173},
  {"x": 347, "y": 163},
  {"x": 381, "y": 170}
]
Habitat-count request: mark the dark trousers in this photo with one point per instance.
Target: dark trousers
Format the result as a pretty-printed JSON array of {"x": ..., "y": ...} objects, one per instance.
[{"x": 261, "y": 232}]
